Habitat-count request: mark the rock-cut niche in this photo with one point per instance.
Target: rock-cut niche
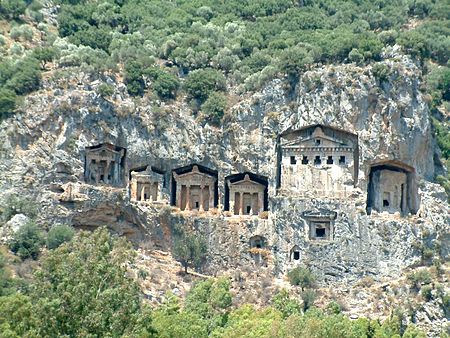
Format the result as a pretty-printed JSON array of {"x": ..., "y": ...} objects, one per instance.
[
  {"x": 194, "y": 187},
  {"x": 392, "y": 188},
  {"x": 246, "y": 194},
  {"x": 104, "y": 164},
  {"x": 317, "y": 160},
  {"x": 146, "y": 184}
]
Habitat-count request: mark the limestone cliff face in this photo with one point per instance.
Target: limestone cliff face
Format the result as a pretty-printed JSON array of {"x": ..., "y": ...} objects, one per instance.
[{"x": 42, "y": 150}]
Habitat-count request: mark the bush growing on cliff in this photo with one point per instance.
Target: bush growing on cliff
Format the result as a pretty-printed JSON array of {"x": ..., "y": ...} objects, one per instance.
[
  {"x": 8, "y": 100},
  {"x": 189, "y": 249},
  {"x": 214, "y": 108},
  {"x": 27, "y": 241},
  {"x": 58, "y": 235},
  {"x": 301, "y": 277},
  {"x": 201, "y": 83}
]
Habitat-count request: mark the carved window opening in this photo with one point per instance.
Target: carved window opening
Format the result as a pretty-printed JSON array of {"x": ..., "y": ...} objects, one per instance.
[
  {"x": 305, "y": 160},
  {"x": 330, "y": 160},
  {"x": 342, "y": 160},
  {"x": 317, "y": 160},
  {"x": 320, "y": 232},
  {"x": 257, "y": 242},
  {"x": 317, "y": 142},
  {"x": 295, "y": 253},
  {"x": 293, "y": 160}
]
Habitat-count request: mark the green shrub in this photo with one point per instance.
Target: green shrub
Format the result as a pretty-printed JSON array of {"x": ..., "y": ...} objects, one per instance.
[
  {"x": 201, "y": 83},
  {"x": 44, "y": 55},
  {"x": 27, "y": 241},
  {"x": 355, "y": 56},
  {"x": 16, "y": 204},
  {"x": 133, "y": 78},
  {"x": 426, "y": 292},
  {"x": 26, "y": 77},
  {"x": 309, "y": 297},
  {"x": 7, "y": 102},
  {"x": 381, "y": 72},
  {"x": 418, "y": 278},
  {"x": 301, "y": 277},
  {"x": 189, "y": 249},
  {"x": 23, "y": 31},
  {"x": 58, "y": 235},
  {"x": 164, "y": 83},
  {"x": 105, "y": 90},
  {"x": 285, "y": 304},
  {"x": 214, "y": 107},
  {"x": 12, "y": 9}
]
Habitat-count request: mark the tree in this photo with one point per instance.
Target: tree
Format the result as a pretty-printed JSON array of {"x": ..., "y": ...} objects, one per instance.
[
  {"x": 7, "y": 102},
  {"x": 285, "y": 304},
  {"x": 58, "y": 235},
  {"x": 211, "y": 300},
  {"x": 12, "y": 9},
  {"x": 302, "y": 277},
  {"x": 44, "y": 55},
  {"x": 189, "y": 249},
  {"x": 200, "y": 83},
  {"x": 26, "y": 78},
  {"x": 83, "y": 289},
  {"x": 133, "y": 78},
  {"x": 27, "y": 241},
  {"x": 214, "y": 107},
  {"x": 164, "y": 83}
]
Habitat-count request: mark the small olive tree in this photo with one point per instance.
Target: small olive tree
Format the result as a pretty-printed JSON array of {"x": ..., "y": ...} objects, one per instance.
[{"x": 189, "y": 249}]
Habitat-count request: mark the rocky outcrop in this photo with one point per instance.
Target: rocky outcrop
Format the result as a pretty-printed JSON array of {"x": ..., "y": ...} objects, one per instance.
[{"x": 42, "y": 159}]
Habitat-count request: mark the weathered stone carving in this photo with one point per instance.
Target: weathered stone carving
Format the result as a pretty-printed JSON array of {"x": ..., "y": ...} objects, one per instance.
[
  {"x": 146, "y": 185},
  {"x": 71, "y": 193},
  {"x": 104, "y": 163},
  {"x": 317, "y": 161},
  {"x": 245, "y": 196},
  {"x": 258, "y": 242},
  {"x": 321, "y": 225},
  {"x": 195, "y": 189},
  {"x": 392, "y": 188}
]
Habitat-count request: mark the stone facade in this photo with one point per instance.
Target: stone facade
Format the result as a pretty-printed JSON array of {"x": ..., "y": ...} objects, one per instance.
[
  {"x": 392, "y": 189},
  {"x": 104, "y": 163},
  {"x": 195, "y": 190},
  {"x": 146, "y": 185},
  {"x": 317, "y": 161},
  {"x": 246, "y": 197}
]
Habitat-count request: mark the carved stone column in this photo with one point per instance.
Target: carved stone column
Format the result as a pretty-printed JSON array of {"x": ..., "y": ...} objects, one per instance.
[
  {"x": 211, "y": 196},
  {"x": 201, "y": 198},
  {"x": 231, "y": 201},
  {"x": 241, "y": 203},
  {"x": 133, "y": 189},
  {"x": 188, "y": 197},
  {"x": 260, "y": 201},
  {"x": 178, "y": 195},
  {"x": 143, "y": 192}
]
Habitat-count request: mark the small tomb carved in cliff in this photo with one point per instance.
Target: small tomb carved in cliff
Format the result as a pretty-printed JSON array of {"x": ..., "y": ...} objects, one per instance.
[
  {"x": 320, "y": 224},
  {"x": 392, "y": 188},
  {"x": 194, "y": 188},
  {"x": 146, "y": 185},
  {"x": 245, "y": 194},
  {"x": 104, "y": 163}
]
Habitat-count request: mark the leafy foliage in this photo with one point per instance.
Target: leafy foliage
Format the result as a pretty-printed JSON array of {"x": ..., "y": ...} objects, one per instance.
[
  {"x": 82, "y": 289},
  {"x": 27, "y": 241},
  {"x": 58, "y": 235},
  {"x": 201, "y": 83},
  {"x": 189, "y": 249},
  {"x": 302, "y": 277}
]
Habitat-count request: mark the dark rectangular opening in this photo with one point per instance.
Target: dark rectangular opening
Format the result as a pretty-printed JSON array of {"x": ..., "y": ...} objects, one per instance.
[
  {"x": 197, "y": 205},
  {"x": 317, "y": 160},
  {"x": 248, "y": 209},
  {"x": 320, "y": 233},
  {"x": 317, "y": 142},
  {"x": 293, "y": 160},
  {"x": 330, "y": 160},
  {"x": 305, "y": 160},
  {"x": 296, "y": 255},
  {"x": 342, "y": 160},
  {"x": 102, "y": 177},
  {"x": 385, "y": 203}
]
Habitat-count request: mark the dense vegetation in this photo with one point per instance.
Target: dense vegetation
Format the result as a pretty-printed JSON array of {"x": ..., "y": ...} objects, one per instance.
[{"x": 84, "y": 288}]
